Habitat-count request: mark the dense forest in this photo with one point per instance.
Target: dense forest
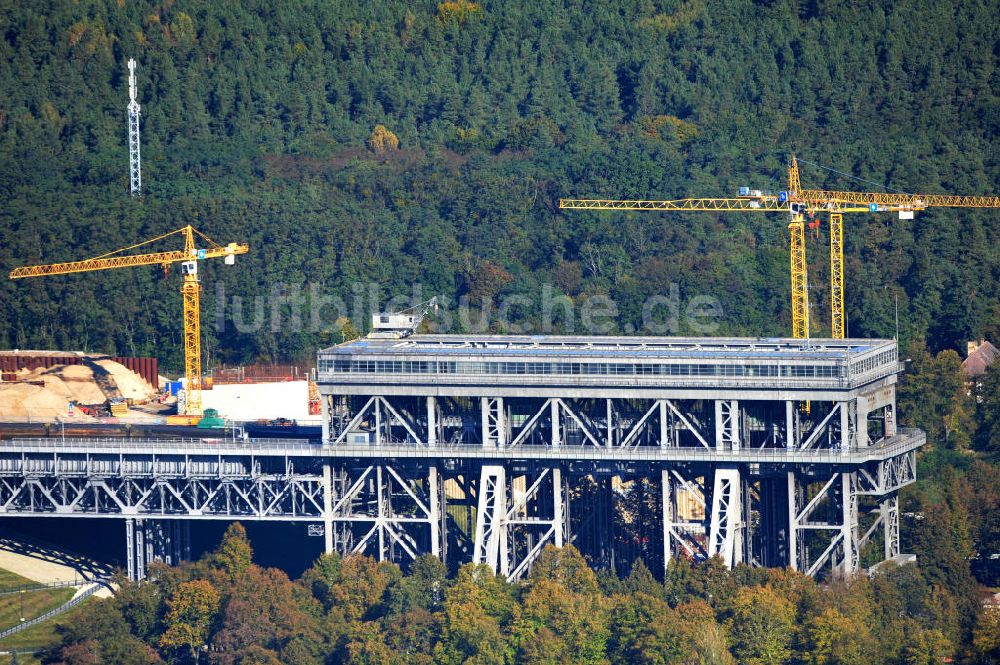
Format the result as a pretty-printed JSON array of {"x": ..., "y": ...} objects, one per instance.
[
  {"x": 379, "y": 153},
  {"x": 373, "y": 148}
]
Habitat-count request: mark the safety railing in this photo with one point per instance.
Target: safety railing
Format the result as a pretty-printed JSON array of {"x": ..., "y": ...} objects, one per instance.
[
  {"x": 146, "y": 444},
  {"x": 905, "y": 441},
  {"x": 41, "y": 586},
  {"x": 65, "y": 607}
]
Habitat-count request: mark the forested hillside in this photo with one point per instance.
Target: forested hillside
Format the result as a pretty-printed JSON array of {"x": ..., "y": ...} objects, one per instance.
[
  {"x": 403, "y": 149},
  {"x": 259, "y": 125}
]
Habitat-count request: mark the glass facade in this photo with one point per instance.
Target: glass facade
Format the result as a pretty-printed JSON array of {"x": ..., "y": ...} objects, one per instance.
[
  {"x": 494, "y": 368},
  {"x": 861, "y": 367}
]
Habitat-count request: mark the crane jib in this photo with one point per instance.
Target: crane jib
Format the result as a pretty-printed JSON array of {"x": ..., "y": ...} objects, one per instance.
[{"x": 89, "y": 265}]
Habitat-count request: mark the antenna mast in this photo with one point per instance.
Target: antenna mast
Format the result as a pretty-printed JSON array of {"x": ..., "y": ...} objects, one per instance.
[{"x": 135, "y": 168}]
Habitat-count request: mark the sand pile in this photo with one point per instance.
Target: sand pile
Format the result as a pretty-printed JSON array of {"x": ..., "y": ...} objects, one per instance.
[
  {"x": 93, "y": 383},
  {"x": 20, "y": 400},
  {"x": 130, "y": 385},
  {"x": 71, "y": 383}
]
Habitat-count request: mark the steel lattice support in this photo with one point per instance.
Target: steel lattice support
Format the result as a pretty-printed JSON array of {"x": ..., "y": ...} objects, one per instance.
[
  {"x": 828, "y": 522},
  {"x": 146, "y": 541},
  {"x": 725, "y": 536},
  {"x": 889, "y": 508},
  {"x": 727, "y": 425},
  {"x": 683, "y": 534},
  {"x": 515, "y": 520},
  {"x": 192, "y": 341},
  {"x": 491, "y": 528},
  {"x": 800, "y": 282},
  {"x": 263, "y": 497},
  {"x": 389, "y": 514}
]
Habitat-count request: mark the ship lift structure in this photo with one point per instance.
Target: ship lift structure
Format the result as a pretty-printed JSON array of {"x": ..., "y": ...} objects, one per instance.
[
  {"x": 188, "y": 257},
  {"x": 799, "y": 204}
]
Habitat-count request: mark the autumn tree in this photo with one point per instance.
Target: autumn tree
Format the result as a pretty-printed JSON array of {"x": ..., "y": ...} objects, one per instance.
[
  {"x": 367, "y": 646},
  {"x": 833, "y": 639},
  {"x": 485, "y": 279},
  {"x": 190, "y": 613},
  {"x": 266, "y": 613},
  {"x": 986, "y": 636},
  {"x": 702, "y": 636},
  {"x": 478, "y": 609},
  {"x": 413, "y": 635},
  {"x": 359, "y": 585},
  {"x": 382, "y": 140},
  {"x": 562, "y": 617},
  {"x": 458, "y": 11}
]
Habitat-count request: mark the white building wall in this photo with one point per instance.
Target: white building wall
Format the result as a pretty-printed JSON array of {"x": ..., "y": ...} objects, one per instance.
[{"x": 252, "y": 401}]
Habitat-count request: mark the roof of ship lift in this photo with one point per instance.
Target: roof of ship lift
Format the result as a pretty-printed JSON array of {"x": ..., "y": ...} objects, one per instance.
[{"x": 611, "y": 347}]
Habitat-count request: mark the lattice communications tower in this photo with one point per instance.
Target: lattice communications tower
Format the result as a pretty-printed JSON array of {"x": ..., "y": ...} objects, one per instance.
[{"x": 134, "y": 164}]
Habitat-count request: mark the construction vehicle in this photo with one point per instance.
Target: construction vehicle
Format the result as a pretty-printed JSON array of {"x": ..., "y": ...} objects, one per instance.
[
  {"x": 799, "y": 204},
  {"x": 190, "y": 288},
  {"x": 94, "y": 410}
]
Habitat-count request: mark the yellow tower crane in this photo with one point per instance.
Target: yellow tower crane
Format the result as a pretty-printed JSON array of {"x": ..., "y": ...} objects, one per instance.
[
  {"x": 836, "y": 202},
  {"x": 798, "y": 202},
  {"x": 190, "y": 289}
]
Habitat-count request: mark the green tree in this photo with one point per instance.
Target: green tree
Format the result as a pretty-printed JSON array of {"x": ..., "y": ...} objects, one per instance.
[
  {"x": 988, "y": 410},
  {"x": 762, "y": 626},
  {"x": 478, "y": 609},
  {"x": 234, "y": 554},
  {"x": 643, "y": 629},
  {"x": 424, "y": 587},
  {"x": 934, "y": 397},
  {"x": 101, "y": 635},
  {"x": 835, "y": 638},
  {"x": 986, "y": 636}
]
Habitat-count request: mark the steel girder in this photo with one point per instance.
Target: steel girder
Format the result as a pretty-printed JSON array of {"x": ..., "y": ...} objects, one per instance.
[{"x": 267, "y": 497}]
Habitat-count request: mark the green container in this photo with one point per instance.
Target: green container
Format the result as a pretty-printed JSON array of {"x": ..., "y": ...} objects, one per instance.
[{"x": 211, "y": 420}]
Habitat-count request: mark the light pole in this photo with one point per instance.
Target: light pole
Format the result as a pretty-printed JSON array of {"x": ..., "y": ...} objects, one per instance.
[{"x": 21, "y": 597}]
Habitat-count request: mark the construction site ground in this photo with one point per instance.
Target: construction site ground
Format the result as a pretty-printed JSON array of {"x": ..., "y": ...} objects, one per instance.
[{"x": 45, "y": 393}]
